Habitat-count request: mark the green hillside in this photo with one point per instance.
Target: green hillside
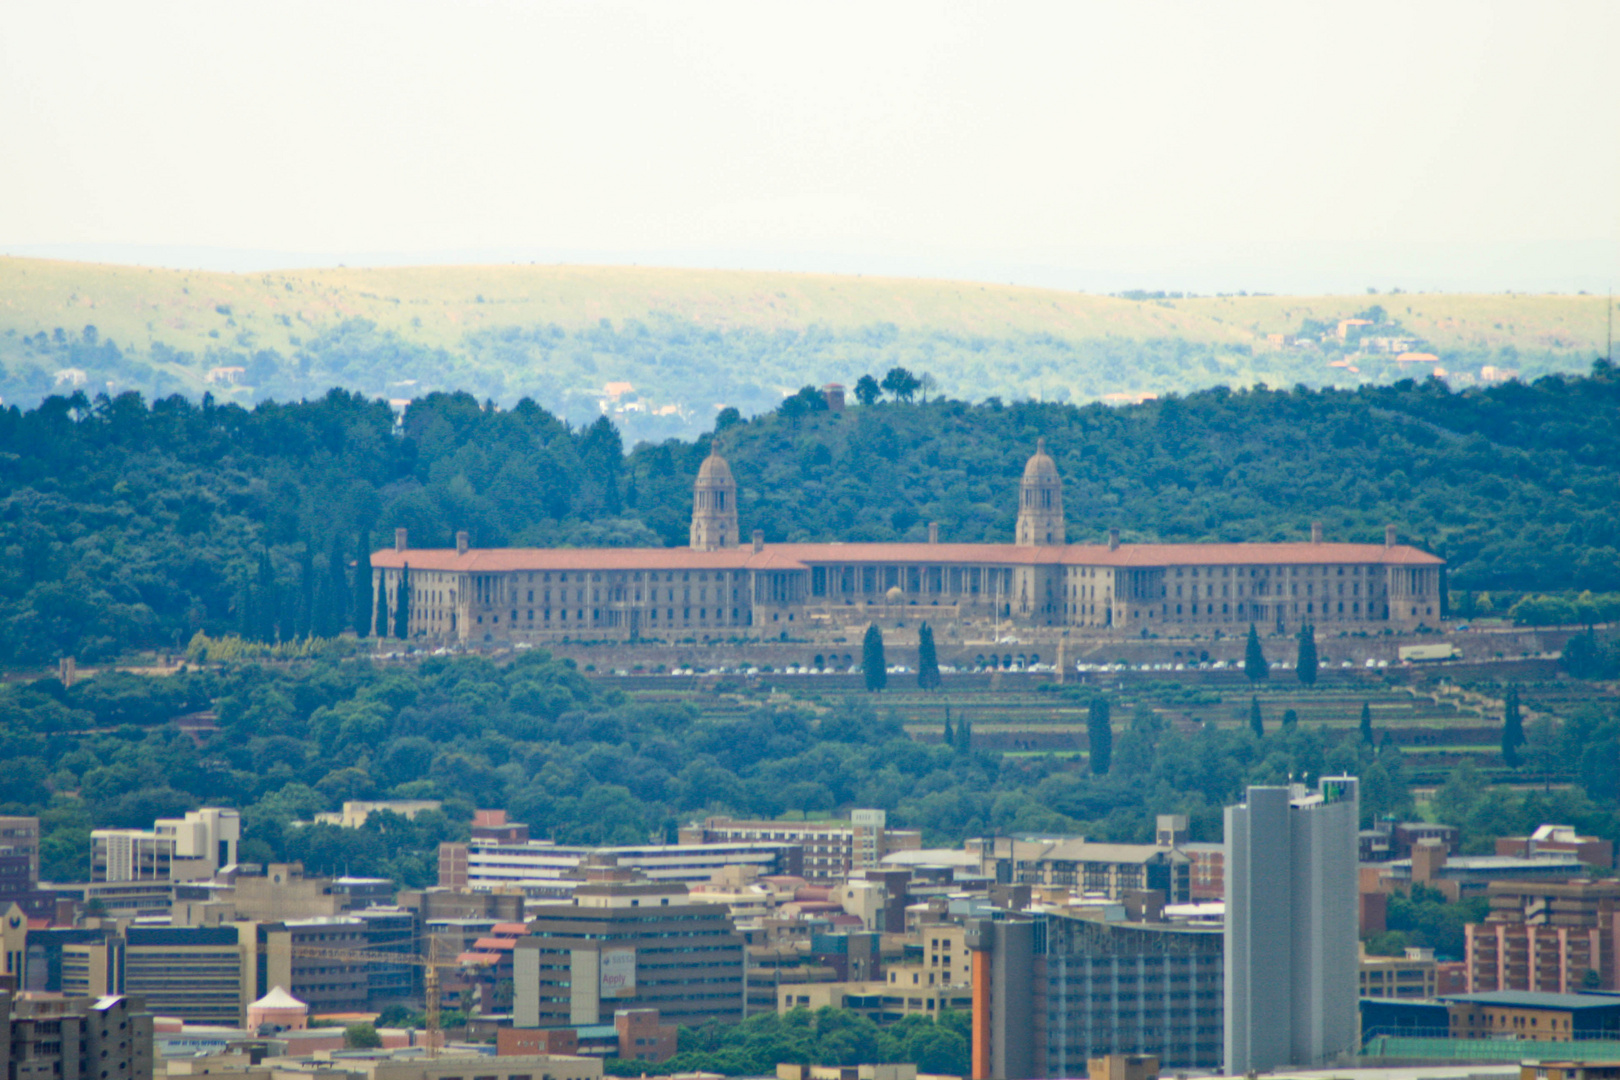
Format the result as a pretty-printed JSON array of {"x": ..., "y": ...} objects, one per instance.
[{"x": 692, "y": 341}]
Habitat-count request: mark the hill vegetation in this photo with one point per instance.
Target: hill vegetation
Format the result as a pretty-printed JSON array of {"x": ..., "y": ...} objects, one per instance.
[
  {"x": 133, "y": 525},
  {"x": 583, "y": 761},
  {"x": 677, "y": 346}
]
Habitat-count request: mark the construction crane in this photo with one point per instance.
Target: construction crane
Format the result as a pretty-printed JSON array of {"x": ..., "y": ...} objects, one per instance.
[{"x": 430, "y": 975}]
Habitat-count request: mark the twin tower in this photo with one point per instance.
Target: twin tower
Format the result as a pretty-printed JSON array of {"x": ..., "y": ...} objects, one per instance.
[{"x": 1040, "y": 504}]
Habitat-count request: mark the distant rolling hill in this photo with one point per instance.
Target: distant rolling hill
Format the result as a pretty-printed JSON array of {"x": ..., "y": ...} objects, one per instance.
[{"x": 688, "y": 342}]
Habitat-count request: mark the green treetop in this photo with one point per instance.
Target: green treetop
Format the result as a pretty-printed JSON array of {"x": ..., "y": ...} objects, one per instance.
[
  {"x": 1512, "y": 728},
  {"x": 402, "y": 604},
  {"x": 362, "y": 586},
  {"x": 873, "y": 666},
  {"x": 1306, "y": 666},
  {"x": 1254, "y": 658},
  {"x": 927, "y": 659},
  {"x": 1100, "y": 732}
]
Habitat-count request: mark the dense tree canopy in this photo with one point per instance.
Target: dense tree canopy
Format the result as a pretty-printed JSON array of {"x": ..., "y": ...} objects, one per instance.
[
  {"x": 130, "y": 524},
  {"x": 582, "y": 763}
]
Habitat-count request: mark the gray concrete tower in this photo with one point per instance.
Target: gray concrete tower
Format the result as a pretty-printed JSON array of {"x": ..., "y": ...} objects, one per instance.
[{"x": 1291, "y": 969}]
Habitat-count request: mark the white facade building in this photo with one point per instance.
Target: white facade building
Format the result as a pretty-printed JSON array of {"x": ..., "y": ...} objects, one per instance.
[
  {"x": 1291, "y": 930},
  {"x": 191, "y": 848}
]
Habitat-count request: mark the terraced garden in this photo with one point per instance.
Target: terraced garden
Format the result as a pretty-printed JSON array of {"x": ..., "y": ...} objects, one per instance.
[{"x": 1436, "y": 724}]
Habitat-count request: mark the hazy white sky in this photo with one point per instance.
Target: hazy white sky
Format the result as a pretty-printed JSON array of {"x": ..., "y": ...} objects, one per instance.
[{"x": 1280, "y": 147}]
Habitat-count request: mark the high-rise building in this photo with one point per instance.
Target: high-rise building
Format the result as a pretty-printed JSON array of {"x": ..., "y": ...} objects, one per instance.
[
  {"x": 628, "y": 943},
  {"x": 1052, "y": 991},
  {"x": 74, "y": 1038},
  {"x": 1291, "y": 929},
  {"x": 201, "y": 974},
  {"x": 1547, "y": 936},
  {"x": 196, "y": 846},
  {"x": 330, "y": 983},
  {"x": 19, "y": 868}
]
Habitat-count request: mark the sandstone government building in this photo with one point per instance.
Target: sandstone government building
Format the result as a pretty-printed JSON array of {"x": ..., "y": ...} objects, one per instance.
[{"x": 719, "y": 588}]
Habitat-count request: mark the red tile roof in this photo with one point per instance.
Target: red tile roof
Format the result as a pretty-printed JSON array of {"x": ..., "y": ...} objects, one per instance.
[{"x": 799, "y": 556}]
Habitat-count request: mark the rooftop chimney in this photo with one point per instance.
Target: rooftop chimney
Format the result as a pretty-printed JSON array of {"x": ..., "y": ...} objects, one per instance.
[
  {"x": 461, "y": 542},
  {"x": 1113, "y": 539},
  {"x": 759, "y": 539},
  {"x": 1316, "y": 532},
  {"x": 399, "y": 540},
  {"x": 1389, "y": 536},
  {"x": 933, "y": 532}
]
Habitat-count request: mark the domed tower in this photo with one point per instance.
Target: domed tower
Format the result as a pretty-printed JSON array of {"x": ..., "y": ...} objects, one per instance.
[
  {"x": 714, "y": 505},
  {"x": 1040, "y": 501}
]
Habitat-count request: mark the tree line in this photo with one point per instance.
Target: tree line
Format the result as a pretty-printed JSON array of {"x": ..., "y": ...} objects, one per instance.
[
  {"x": 581, "y": 763},
  {"x": 127, "y": 524}
]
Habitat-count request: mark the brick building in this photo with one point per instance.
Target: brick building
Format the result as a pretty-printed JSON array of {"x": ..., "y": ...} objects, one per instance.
[{"x": 1552, "y": 937}]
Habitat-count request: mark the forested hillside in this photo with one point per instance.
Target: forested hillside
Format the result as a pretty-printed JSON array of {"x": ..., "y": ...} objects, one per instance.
[
  {"x": 579, "y": 762},
  {"x": 126, "y": 524},
  {"x": 665, "y": 350}
]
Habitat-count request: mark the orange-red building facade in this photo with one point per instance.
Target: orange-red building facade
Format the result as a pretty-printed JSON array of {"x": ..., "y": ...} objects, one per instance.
[{"x": 717, "y": 588}]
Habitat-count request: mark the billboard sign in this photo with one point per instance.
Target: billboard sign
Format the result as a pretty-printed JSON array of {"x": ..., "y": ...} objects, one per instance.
[{"x": 618, "y": 973}]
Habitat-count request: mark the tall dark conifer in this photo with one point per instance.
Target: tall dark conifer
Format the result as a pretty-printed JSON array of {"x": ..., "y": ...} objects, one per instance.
[
  {"x": 402, "y": 604},
  {"x": 1512, "y": 728},
  {"x": 364, "y": 605},
  {"x": 267, "y": 602},
  {"x": 305, "y": 618},
  {"x": 382, "y": 608},
  {"x": 1254, "y": 658},
  {"x": 1256, "y": 724},
  {"x": 874, "y": 668},
  {"x": 1366, "y": 723},
  {"x": 927, "y": 659},
  {"x": 332, "y": 595},
  {"x": 1100, "y": 731},
  {"x": 1305, "y": 668}
]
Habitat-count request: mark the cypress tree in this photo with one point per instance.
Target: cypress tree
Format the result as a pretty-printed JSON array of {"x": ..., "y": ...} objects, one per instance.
[
  {"x": 382, "y": 609},
  {"x": 402, "y": 604},
  {"x": 949, "y": 738},
  {"x": 1256, "y": 725},
  {"x": 873, "y": 667},
  {"x": 1512, "y": 728},
  {"x": 1306, "y": 667},
  {"x": 1100, "y": 728},
  {"x": 1366, "y": 723},
  {"x": 363, "y": 606},
  {"x": 1254, "y": 658},
  {"x": 927, "y": 659},
  {"x": 246, "y": 623},
  {"x": 305, "y": 627},
  {"x": 964, "y": 735},
  {"x": 267, "y": 602},
  {"x": 332, "y": 595}
]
